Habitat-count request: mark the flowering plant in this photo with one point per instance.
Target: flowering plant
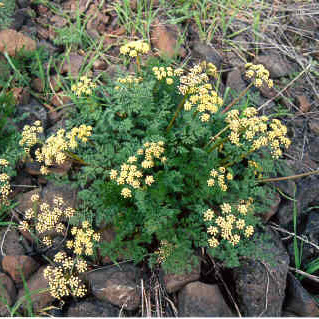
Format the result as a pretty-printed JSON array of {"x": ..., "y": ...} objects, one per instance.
[{"x": 171, "y": 167}]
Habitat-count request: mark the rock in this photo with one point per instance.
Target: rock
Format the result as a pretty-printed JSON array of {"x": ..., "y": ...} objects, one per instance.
[
  {"x": 72, "y": 64},
  {"x": 174, "y": 282},
  {"x": 19, "y": 18},
  {"x": 92, "y": 308},
  {"x": 117, "y": 285},
  {"x": 275, "y": 64},
  {"x": 298, "y": 300},
  {"x": 314, "y": 149},
  {"x": 65, "y": 191},
  {"x": 205, "y": 52},
  {"x": 235, "y": 81},
  {"x": 164, "y": 38},
  {"x": 307, "y": 193},
  {"x": 108, "y": 235},
  {"x": 7, "y": 294},
  {"x": 38, "y": 289},
  {"x": 259, "y": 282},
  {"x": 11, "y": 243},
  {"x": 51, "y": 49},
  {"x": 24, "y": 200},
  {"x": 99, "y": 64},
  {"x": 303, "y": 103},
  {"x": 272, "y": 209},
  {"x": 311, "y": 232},
  {"x": 197, "y": 299},
  {"x": 19, "y": 267},
  {"x": 314, "y": 126},
  {"x": 37, "y": 84},
  {"x": 24, "y": 181},
  {"x": 36, "y": 113},
  {"x": 23, "y": 3},
  {"x": 12, "y": 41}
]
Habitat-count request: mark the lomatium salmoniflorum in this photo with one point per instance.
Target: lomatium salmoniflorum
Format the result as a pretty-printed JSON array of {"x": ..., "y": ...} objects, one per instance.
[
  {"x": 55, "y": 149},
  {"x": 197, "y": 93},
  {"x": 258, "y": 74},
  {"x": 247, "y": 127},
  {"x": 84, "y": 86},
  {"x": 43, "y": 219},
  {"x": 5, "y": 188},
  {"x": 133, "y": 173},
  {"x": 63, "y": 277},
  {"x": 134, "y": 48},
  {"x": 229, "y": 223}
]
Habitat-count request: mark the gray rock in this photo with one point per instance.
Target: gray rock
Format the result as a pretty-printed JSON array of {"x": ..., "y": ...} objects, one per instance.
[
  {"x": 314, "y": 126},
  {"x": 36, "y": 113},
  {"x": 311, "y": 232},
  {"x": 205, "y": 52},
  {"x": 235, "y": 81},
  {"x": 260, "y": 285},
  {"x": 174, "y": 282},
  {"x": 298, "y": 300},
  {"x": 92, "y": 308},
  {"x": 276, "y": 64},
  {"x": 307, "y": 194},
  {"x": 117, "y": 285},
  {"x": 201, "y": 300}
]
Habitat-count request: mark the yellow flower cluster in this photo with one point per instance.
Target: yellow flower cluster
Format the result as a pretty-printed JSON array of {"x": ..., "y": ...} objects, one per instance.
[
  {"x": 45, "y": 218},
  {"x": 84, "y": 239},
  {"x": 62, "y": 278},
  {"x": 53, "y": 150},
  {"x": 197, "y": 76},
  {"x": 259, "y": 74},
  {"x": 131, "y": 172},
  {"x": 218, "y": 177},
  {"x": 130, "y": 79},
  {"x": 85, "y": 86},
  {"x": 166, "y": 73},
  {"x": 258, "y": 130},
  {"x": 134, "y": 48},
  {"x": 165, "y": 250},
  {"x": 229, "y": 224},
  {"x": 199, "y": 92},
  {"x": 30, "y": 135},
  {"x": 5, "y": 188}
]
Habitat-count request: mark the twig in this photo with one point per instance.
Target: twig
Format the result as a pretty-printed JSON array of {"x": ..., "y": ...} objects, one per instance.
[
  {"x": 305, "y": 240},
  {"x": 311, "y": 277},
  {"x": 4, "y": 236},
  {"x": 285, "y": 178}
]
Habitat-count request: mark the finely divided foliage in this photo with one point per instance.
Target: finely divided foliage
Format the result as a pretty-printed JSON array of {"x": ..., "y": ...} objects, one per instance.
[{"x": 164, "y": 162}]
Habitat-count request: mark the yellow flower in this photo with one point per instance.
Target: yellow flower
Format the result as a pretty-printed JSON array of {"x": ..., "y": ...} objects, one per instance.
[
  {"x": 169, "y": 81},
  {"x": 126, "y": 193}
]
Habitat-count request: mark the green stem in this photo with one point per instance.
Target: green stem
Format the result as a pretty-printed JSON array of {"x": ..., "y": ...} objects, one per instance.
[
  {"x": 285, "y": 178},
  {"x": 218, "y": 144},
  {"x": 179, "y": 108},
  {"x": 138, "y": 63},
  {"x": 76, "y": 158},
  {"x": 216, "y": 136},
  {"x": 237, "y": 98}
]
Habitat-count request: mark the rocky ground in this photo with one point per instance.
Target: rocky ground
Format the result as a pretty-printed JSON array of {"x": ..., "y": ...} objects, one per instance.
[{"x": 289, "y": 48}]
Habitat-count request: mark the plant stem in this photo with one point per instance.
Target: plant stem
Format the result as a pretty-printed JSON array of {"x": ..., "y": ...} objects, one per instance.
[
  {"x": 285, "y": 178},
  {"x": 217, "y": 144},
  {"x": 138, "y": 63},
  {"x": 76, "y": 158},
  {"x": 216, "y": 136},
  {"x": 237, "y": 98},
  {"x": 179, "y": 108}
]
